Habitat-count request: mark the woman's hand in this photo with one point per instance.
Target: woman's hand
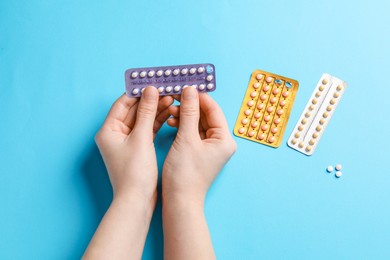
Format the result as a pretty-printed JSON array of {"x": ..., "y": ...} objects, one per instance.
[
  {"x": 126, "y": 142},
  {"x": 202, "y": 147}
]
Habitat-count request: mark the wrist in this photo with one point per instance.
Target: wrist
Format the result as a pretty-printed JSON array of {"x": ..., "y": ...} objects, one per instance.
[{"x": 134, "y": 199}]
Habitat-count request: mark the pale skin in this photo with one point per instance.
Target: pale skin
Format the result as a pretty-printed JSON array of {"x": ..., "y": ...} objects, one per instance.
[{"x": 202, "y": 147}]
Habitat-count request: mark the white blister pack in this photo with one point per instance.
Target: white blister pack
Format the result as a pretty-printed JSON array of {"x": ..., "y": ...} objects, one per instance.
[{"x": 317, "y": 114}]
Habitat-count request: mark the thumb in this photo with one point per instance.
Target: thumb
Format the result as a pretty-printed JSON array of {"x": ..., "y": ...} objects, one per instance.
[
  {"x": 189, "y": 112},
  {"x": 146, "y": 112}
]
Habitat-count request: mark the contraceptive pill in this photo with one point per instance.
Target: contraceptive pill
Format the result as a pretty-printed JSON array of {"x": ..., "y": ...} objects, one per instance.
[
  {"x": 338, "y": 167},
  {"x": 317, "y": 114},
  {"x": 266, "y": 108},
  {"x": 329, "y": 168},
  {"x": 170, "y": 80},
  {"x": 338, "y": 174}
]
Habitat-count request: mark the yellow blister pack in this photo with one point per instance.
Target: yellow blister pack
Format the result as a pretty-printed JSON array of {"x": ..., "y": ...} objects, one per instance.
[{"x": 266, "y": 108}]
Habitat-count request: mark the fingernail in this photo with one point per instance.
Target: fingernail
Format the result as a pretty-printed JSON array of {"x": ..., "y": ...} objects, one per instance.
[
  {"x": 150, "y": 93},
  {"x": 189, "y": 92}
]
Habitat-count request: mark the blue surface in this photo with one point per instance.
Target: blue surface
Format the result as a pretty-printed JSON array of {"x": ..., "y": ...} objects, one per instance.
[{"x": 62, "y": 65}]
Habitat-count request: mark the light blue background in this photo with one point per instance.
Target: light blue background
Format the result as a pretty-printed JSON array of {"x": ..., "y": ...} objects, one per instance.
[{"x": 62, "y": 65}]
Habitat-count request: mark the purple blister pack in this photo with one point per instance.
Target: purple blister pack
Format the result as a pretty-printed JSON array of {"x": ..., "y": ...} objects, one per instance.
[{"x": 170, "y": 80}]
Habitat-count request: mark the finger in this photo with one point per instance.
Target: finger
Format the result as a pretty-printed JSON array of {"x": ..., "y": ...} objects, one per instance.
[
  {"x": 174, "y": 122},
  {"x": 160, "y": 120},
  {"x": 174, "y": 111},
  {"x": 213, "y": 114},
  {"x": 120, "y": 109},
  {"x": 189, "y": 112},
  {"x": 164, "y": 103},
  {"x": 146, "y": 112}
]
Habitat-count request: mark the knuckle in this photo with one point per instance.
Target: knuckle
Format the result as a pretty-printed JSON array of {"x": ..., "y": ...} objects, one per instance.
[
  {"x": 146, "y": 109},
  {"x": 189, "y": 111}
]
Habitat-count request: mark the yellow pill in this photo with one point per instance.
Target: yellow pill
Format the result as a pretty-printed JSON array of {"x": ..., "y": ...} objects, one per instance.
[
  {"x": 318, "y": 94},
  {"x": 301, "y": 145},
  {"x": 332, "y": 101},
  {"x": 339, "y": 88},
  {"x": 336, "y": 95},
  {"x": 325, "y": 115},
  {"x": 308, "y": 148},
  {"x": 318, "y": 128},
  {"x": 322, "y": 121},
  {"x": 297, "y": 135},
  {"x": 321, "y": 88},
  {"x": 294, "y": 141},
  {"x": 314, "y": 101},
  {"x": 329, "y": 108},
  {"x": 304, "y": 121},
  {"x": 311, "y": 142},
  {"x": 315, "y": 135},
  {"x": 311, "y": 107},
  {"x": 300, "y": 128},
  {"x": 324, "y": 81},
  {"x": 307, "y": 114}
]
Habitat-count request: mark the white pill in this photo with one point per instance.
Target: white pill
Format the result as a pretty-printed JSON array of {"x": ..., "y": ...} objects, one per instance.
[
  {"x": 168, "y": 89},
  {"x": 176, "y": 72},
  {"x": 210, "y": 86},
  {"x": 142, "y": 90},
  {"x": 209, "y": 78},
  {"x": 338, "y": 174},
  {"x": 329, "y": 169},
  {"x": 259, "y": 76},
  {"x": 151, "y": 73},
  {"x": 160, "y": 89},
  {"x": 192, "y": 71},
  {"x": 168, "y": 72},
  {"x": 134, "y": 74},
  {"x": 142, "y": 74},
  {"x": 159, "y": 73},
  {"x": 202, "y": 86},
  {"x": 184, "y": 71},
  {"x": 194, "y": 86},
  {"x": 200, "y": 70},
  {"x": 338, "y": 167},
  {"x": 135, "y": 91},
  {"x": 176, "y": 88}
]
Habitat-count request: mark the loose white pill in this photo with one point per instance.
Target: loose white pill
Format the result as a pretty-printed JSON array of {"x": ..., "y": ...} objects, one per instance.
[
  {"x": 168, "y": 72},
  {"x": 338, "y": 167},
  {"x": 159, "y": 73},
  {"x": 177, "y": 88},
  {"x": 176, "y": 72},
  {"x": 210, "y": 86},
  {"x": 142, "y": 74},
  {"x": 135, "y": 91},
  {"x": 160, "y": 89},
  {"x": 184, "y": 71},
  {"x": 202, "y": 86},
  {"x": 192, "y": 71},
  {"x": 168, "y": 89},
  {"x": 151, "y": 73},
  {"x": 338, "y": 174},
  {"x": 134, "y": 74},
  {"x": 330, "y": 168},
  {"x": 200, "y": 70}
]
